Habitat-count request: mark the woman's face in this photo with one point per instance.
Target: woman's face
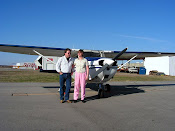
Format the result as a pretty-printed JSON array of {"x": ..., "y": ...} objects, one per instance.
[{"x": 80, "y": 54}]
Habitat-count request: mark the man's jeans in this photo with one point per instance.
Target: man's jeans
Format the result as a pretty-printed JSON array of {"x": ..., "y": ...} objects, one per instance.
[{"x": 65, "y": 77}]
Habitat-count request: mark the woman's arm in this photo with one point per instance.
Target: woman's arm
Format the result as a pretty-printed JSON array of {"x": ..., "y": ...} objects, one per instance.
[{"x": 87, "y": 72}]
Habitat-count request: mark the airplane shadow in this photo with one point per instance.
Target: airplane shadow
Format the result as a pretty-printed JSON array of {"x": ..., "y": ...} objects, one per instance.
[{"x": 117, "y": 90}]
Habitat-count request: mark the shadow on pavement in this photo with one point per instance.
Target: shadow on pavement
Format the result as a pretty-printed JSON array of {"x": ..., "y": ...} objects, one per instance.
[{"x": 117, "y": 90}]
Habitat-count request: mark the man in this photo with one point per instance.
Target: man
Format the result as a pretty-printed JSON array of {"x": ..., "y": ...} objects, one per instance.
[{"x": 64, "y": 68}]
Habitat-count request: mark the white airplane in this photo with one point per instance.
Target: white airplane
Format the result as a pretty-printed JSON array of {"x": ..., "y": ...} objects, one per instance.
[{"x": 102, "y": 64}]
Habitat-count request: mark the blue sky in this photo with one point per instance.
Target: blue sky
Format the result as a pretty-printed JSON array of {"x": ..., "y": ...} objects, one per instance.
[{"x": 140, "y": 25}]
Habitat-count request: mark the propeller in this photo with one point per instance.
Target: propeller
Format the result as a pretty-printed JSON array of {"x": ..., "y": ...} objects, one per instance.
[
  {"x": 107, "y": 65},
  {"x": 119, "y": 54}
]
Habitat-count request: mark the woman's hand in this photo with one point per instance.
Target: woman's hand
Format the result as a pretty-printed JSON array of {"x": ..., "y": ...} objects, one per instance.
[
  {"x": 87, "y": 72},
  {"x": 87, "y": 78}
]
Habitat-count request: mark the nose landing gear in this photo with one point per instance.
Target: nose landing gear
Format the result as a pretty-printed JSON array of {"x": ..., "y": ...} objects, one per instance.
[
  {"x": 107, "y": 88},
  {"x": 102, "y": 89}
]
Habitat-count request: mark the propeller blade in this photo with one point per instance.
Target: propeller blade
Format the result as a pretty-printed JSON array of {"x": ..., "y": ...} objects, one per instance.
[{"x": 119, "y": 54}]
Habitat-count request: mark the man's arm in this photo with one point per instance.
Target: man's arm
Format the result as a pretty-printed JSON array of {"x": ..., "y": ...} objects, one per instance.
[
  {"x": 72, "y": 70},
  {"x": 58, "y": 66}
]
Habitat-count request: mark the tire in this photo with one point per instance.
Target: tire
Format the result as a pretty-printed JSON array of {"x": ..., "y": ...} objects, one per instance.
[{"x": 100, "y": 93}]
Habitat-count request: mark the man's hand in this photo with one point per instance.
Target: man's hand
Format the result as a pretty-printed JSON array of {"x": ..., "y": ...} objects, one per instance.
[{"x": 61, "y": 73}]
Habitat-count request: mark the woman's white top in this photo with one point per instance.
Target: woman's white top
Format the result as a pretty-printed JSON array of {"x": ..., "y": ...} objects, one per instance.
[{"x": 80, "y": 65}]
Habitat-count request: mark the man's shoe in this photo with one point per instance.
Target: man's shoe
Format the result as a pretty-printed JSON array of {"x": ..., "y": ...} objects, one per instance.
[
  {"x": 62, "y": 101},
  {"x": 68, "y": 101},
  {"x": 83, "y": 101},
  {"x": 75, "y": 101}
]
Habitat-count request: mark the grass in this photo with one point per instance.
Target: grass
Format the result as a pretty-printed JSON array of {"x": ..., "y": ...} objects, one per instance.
[
  {"x": 137, "y": 77},
  {"x": 16, "y": 75},
  {"x": 27, "y": 76}
]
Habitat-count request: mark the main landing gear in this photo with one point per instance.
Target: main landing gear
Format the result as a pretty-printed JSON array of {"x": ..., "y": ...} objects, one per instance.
[{"x": 102, "y": 89}]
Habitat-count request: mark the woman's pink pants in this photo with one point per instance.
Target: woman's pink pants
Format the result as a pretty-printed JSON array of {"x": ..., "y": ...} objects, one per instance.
[{"x": 80, "y": 80}]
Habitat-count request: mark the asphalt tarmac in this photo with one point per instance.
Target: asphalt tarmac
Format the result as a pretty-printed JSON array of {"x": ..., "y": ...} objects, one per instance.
[{"x": 134, "y": 106}]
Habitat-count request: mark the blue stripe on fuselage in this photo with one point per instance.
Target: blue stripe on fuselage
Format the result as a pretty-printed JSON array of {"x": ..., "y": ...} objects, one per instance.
[{"x": 93, "y": 58}]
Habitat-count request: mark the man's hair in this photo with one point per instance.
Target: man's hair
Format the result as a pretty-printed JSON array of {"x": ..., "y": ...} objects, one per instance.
[
  {"x": 81, "y": 51},
  {"x": 67, "y": 50}
]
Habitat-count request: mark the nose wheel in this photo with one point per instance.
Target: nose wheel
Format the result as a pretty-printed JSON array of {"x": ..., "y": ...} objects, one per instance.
[
  {"x": 100, "y": 93},
  {"x": 102, "y": 89},
  {"x": 107, "y": 88}
]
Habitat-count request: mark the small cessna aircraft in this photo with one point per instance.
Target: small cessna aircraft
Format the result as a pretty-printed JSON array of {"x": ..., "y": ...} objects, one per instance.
[{"x": 102, "y": 64}]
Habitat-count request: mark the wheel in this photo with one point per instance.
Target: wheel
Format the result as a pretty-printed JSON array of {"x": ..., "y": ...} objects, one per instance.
[
  {"x": 107, "y": 88},
  {"x": 100, "y": 93}
]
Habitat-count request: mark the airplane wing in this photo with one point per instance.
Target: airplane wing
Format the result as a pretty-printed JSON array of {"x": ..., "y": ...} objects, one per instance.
[
  {"x": 140, "y": 55},
  {"x": 50, "y": 51},
  {"x": 23, "y": 49}
]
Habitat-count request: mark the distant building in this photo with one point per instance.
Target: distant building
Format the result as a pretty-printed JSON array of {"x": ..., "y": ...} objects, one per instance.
[
  {"x": 25, "y": 65},
  {"x": 137, "y": 64},
  {"x": 164, "y": 64}
]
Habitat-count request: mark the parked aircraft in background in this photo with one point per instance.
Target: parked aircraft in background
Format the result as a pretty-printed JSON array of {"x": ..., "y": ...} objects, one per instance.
[{"x": 102, "y": 64}]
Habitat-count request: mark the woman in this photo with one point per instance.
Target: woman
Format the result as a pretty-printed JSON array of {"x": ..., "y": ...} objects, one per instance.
[{"x": 81, "y": 75}]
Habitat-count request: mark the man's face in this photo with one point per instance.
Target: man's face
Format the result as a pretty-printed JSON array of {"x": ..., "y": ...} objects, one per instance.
[{"x": 67, "y": 54}]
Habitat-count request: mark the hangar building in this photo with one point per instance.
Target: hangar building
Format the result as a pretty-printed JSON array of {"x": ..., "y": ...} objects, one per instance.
[{"x": 164, "y": 64}]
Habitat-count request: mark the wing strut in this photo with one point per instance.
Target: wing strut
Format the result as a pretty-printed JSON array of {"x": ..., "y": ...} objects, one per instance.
[
  {"x": 127, "y": 62},
  {"x": 102, "y": 54},
  {"x": 44, "y": 57}
]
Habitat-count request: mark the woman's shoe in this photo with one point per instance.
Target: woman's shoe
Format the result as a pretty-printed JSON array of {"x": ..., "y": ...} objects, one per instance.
[{"x": 83, "y": 101}]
